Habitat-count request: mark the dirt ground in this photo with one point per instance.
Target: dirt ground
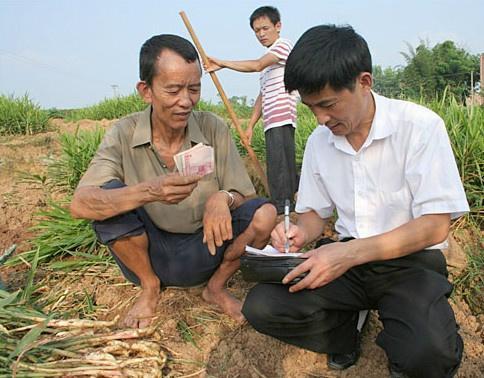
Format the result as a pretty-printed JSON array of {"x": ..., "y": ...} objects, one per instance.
[{"x": 199, "y": 341}]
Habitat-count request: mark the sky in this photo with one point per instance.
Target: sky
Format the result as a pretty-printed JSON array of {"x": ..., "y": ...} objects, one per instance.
[{"x": 75, "y": 53}]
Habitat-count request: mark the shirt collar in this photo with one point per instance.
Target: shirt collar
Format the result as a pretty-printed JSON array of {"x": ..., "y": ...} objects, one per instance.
[
  {"x": 381, "y": 127},
  {"x": 142, "y": 131}
]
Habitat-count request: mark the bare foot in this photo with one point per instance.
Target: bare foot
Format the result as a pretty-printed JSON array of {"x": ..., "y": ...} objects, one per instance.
[
  {"x": 225, "y": 302},
  {"x": 143, "y": 310}
]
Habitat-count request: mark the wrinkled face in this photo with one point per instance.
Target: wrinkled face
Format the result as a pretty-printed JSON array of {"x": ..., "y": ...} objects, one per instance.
[
  {"x": 265, "y": 31},
  {"x": 343, "y": 112},
  {"x": 175, "y": 90}
]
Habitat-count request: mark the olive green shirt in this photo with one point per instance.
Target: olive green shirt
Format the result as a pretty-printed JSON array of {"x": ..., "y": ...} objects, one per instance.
[{"x": 128, "y": 154}]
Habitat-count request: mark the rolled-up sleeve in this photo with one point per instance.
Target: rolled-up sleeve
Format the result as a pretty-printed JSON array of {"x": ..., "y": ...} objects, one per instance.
[
  {"x": 107, "y": 162},
  {"x": 432, "y": 174}
]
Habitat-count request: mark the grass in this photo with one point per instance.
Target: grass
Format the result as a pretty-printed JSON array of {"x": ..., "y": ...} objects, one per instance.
[
  {"x": 21, "y": 116},
  {"x": 58, "y": 236},
  {"x": 470, "y": 284},
  {"x": 110, "y": 108},
  {"x": 78, "y": 150},
  {"x": 465, "y": 126}
]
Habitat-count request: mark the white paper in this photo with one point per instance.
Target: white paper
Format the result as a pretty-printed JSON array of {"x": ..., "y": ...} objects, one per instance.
[{"x": 270, "y": 251}]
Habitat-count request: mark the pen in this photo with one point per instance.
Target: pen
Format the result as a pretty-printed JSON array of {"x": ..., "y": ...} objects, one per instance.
[{"x": 286, "y": 225}]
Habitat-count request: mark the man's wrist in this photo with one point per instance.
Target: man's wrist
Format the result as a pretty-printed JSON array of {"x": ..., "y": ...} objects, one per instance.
[{"x": 230, "y": 196}]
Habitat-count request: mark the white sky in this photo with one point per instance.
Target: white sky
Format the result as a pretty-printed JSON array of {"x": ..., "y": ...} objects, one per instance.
[{"x": 69, "y": 53}]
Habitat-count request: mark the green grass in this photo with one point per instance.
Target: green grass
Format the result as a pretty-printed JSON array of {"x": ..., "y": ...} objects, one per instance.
[
  {"x": 21, "y": 116},
  {"x": 465, "y": 126},
  {"x": 110, "y": 108},
  {"x": 78, "y": 150},
  {"x": 57, "y": 234}
]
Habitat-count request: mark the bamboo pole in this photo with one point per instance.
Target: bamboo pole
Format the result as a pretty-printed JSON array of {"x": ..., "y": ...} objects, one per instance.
[{"x": 227, "y": 104}]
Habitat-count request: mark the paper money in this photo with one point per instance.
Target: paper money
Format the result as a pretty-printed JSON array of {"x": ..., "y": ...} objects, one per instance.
[{"x": 198, "y": 160}]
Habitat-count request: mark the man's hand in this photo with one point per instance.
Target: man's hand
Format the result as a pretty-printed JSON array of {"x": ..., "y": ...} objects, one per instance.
[
  {"x": 324, "y": 265},
  {"x": 217, "y": 222},
  {"x": 296, "y": 235},
  {"x": 172, "y": 188},
  {"x": 212, "y": 64}
]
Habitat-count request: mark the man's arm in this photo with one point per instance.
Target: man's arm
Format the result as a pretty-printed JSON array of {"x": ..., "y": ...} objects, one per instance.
[
  {"x": 217, "y": 220},
  {"x": 256, "y": 65},
  {"x": 255, "y": 116},
  {"x": 332, "y": 260},
  {"x": 95, "y": 203}
]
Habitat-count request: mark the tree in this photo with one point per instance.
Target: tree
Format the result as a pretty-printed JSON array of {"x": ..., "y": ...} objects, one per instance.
[
  {"x": 430, "y": 70},
  {"x": 387, "y": 82}
]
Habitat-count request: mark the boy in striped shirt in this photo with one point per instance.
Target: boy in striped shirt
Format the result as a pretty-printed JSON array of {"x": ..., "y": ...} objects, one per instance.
[{"x": 274, "y": 104}]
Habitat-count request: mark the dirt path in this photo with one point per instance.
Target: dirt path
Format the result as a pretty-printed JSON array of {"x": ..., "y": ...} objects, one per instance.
[{"x": 200, "y": 342}]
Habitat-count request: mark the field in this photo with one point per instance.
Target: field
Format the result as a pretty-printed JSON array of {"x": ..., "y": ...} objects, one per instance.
[{"x": 59, "y": 272}]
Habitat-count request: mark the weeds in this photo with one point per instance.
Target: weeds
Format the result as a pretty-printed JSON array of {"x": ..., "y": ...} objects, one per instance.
[
  {"x": 60, "y": 236},
  {"x": 466, "y": 133},
  {"x": 78, "y": 150},
  {"x": 110, "y": 108},
  {"x": 21, "y": 116}
]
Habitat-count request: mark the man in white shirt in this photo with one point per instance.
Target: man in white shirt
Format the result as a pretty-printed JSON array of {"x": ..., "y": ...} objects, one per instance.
[
  {"x": 387, "y": 168},
  {"x": 274, "y": 104}
]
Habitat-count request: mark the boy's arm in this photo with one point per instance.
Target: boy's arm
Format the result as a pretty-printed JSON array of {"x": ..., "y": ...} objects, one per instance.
[
  {"x": 255, "y": 65},
  {"x": 255, "y": 116}
]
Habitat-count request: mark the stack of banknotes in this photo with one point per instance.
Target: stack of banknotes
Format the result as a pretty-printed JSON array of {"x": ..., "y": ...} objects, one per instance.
[{"x": 198, "y": 160}]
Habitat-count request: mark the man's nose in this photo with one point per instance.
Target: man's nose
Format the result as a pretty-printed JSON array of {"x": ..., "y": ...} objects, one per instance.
[
  {"x": 322, "y": 116},
  {"x": 184, "y": 99}
]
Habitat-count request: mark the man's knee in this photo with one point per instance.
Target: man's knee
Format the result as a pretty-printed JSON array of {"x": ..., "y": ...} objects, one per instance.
[
  {"x": 429, "y": 355},
  {"x": 256, "y": 308},
  {"x": 264, "y": 219}
]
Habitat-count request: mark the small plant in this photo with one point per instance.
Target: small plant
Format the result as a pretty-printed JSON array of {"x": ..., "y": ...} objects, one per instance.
[
  {"x": 59, "y": 236},
  {"x": 21, "y": 116},
  {"x": 78, "y": 150}
]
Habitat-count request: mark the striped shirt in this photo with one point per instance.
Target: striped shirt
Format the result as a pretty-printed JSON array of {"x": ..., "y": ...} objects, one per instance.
[{"x": 278, "y": 106}]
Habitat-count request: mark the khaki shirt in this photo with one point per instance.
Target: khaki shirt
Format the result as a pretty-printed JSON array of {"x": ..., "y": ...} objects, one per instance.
[{"x": 128, "y": 154}]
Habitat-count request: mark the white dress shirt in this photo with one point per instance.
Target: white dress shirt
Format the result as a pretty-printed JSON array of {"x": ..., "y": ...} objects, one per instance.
[{"x": 404, "y": 169}]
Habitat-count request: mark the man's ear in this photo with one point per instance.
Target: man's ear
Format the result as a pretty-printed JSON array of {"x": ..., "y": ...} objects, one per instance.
[
  {"x": 365, "y": 79},
  {"x": 278, "y": 26},
  {"x": 144, "y": 91}
]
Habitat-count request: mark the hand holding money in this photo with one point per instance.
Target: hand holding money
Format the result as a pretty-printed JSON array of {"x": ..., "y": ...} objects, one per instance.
[
  {"x": 198, "y": 160},
  {"x": 172, "y": 188}
]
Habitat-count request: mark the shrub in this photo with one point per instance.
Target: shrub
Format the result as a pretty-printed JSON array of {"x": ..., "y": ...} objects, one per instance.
[{"x": 21, "y": 116}]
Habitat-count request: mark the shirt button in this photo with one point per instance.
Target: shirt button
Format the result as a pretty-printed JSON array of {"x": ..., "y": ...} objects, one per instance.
[{"x": 357, "y": 157}]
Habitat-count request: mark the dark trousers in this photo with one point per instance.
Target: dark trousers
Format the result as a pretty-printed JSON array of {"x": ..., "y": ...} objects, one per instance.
[
  {"x": 410, "y": 294},
  {"x": 177, "y": 259},
  {"x": 281, "y": 165}
]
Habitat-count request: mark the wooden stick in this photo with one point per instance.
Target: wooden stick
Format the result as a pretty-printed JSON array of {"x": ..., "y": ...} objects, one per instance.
[{"x": 227, "y": 104}]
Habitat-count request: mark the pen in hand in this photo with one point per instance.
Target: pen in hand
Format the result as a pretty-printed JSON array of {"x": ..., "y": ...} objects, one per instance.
[{"x": 286, "y": 225}]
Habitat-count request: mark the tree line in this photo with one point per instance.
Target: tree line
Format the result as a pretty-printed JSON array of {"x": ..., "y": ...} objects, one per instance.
[{"x": 428, "y": 72}]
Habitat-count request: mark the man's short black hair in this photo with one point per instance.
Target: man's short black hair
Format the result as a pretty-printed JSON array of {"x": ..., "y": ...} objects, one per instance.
[
  {"x": 270, "y": 12},
  {"x": 152, "y": 48},
  {"x": 327, "y": 55}
]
